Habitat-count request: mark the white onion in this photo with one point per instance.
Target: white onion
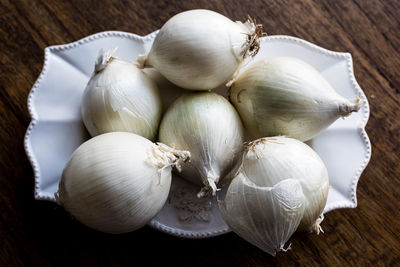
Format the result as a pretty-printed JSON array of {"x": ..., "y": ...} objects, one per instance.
[
  {"x": 117, "y": 182},
  {"x": 120, "y": 97},
  {"x": 281, "y": 185},
  {"x": 206, "y": 125},
  {"x": 286, "y": 96},
  {"x": 201, "y": 49}
]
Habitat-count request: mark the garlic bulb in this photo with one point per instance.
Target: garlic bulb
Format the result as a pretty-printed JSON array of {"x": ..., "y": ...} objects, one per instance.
[
  {"x": 206, "y": 125},
  {"x": 201, "y": 49},
  {"x": 286, "y": 96},
  {"x": 120, "y": 97},
  {"x": 117, "y": 182},
  {"x": 280, "y": 183}
]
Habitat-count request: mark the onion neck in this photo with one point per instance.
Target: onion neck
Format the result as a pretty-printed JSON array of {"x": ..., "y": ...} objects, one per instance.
[
  {"x": 104, "y": 58},
  {"x": 142, "y": 62},
  {"x": 164, "y": 156},
  {"x": 348, "y": 107},
  {"x": 211, "y": 185},
  {"x": 252, "y": 45},
  {"x": 316, "y": 227}
]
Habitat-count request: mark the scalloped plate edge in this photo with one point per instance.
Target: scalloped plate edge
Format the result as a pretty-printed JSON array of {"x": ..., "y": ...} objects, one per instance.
[{"x": 347, "y": 56}]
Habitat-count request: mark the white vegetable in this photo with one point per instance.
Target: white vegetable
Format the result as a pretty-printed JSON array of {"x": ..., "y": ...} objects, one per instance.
[
  {"x": 119, "y": 97},
  {"x": 201, "y": 49},
  {"x": 286, "y": 96},
  {"x": 281, "y": 182},
  {"x": 206, "y": 125},
  {"x": 264, "y": 216},
  {"x": 117, "y": 182}
]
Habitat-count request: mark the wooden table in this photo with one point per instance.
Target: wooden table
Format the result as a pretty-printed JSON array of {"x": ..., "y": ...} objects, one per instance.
[{"x": 42, "y": 234}]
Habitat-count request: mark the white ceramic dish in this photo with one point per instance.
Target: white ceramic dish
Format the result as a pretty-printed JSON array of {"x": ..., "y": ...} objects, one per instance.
[{"x": 56, "y": 129}]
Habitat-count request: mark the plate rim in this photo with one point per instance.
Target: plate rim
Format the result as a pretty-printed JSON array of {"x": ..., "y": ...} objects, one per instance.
[{"x": 365, "y": 110}]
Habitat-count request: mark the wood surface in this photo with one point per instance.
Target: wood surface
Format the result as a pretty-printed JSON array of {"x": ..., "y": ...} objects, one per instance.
[{"x": 38, "y": 233}]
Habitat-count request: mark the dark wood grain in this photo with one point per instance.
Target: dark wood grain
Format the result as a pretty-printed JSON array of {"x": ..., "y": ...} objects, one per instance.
[{"x": 42, "y": 234}]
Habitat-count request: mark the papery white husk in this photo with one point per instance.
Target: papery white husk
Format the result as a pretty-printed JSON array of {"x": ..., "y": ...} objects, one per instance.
[
  {"x": 201, "y": 49},
  {"x": 117, "y": 182},
  {"x": 286, "y": 96},
  {"x": 264, "y": 216},
  {"x": 206, "y": 125},
  {"x": 265, "y": 165},
  {"x": 120, "y": 97}
]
